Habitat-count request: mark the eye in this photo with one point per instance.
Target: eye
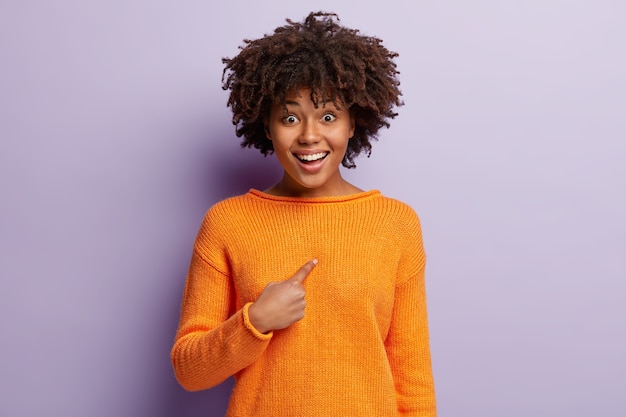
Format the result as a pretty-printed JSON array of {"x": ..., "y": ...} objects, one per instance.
[
  {"x": 328, "y": 117},
  {"x": 290, "y": 119}
]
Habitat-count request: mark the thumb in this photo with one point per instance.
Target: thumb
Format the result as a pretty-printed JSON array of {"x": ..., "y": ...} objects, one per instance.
[{"x": 303, "y": 272}]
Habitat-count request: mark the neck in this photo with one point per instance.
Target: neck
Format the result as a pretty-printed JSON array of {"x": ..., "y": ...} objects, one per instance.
[{"x": 286, "y": 187}]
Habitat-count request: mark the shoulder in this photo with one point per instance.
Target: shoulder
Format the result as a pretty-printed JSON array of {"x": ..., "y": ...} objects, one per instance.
[
  {"x": 400, "y": 221},
  {"x": 405, "y": 225},
  {"x": 396, "y": 204},
  {"x": 397, "y": 210},
  {"x": 221, "y": 216},
  {"x": 227, "y": 208}
]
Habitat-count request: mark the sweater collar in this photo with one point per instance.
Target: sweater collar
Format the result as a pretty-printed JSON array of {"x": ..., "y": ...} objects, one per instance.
[{"x": 331, "y": 199}]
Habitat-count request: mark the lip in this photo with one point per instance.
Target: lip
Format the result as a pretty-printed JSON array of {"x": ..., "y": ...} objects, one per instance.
[
  {"x": 310, "y": 151},
  {"x": 310, "y": 167}
]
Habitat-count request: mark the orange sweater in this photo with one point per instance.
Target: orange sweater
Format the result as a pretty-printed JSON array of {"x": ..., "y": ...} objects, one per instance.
[{"x": 362, "y": 348}]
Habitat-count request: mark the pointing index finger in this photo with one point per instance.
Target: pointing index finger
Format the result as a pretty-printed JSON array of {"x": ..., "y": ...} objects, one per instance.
[{"x": 304, "y": 271}]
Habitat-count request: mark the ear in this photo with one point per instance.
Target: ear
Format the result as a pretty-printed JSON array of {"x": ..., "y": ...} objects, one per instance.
[
  {"x": 266, "y": 127},
  {"x": 352, "y": 126}
]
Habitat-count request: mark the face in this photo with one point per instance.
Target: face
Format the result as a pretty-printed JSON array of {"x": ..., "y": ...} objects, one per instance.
[{"x": 310, "y": 144}]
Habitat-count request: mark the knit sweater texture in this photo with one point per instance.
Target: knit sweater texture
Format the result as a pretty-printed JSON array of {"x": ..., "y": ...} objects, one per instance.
[{"x": 362, "y": 348}]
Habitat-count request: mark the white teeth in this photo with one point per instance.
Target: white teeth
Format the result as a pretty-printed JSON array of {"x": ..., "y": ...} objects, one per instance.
[{"x": 313, "y": 157}]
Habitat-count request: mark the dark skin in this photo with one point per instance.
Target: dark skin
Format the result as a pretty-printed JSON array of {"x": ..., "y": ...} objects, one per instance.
[
  {"x": 337, "y": 65},
  {"x": 335, "y": 62},
  {"x": 302, "y": 127},
  {"x": 281, "y": 303}
]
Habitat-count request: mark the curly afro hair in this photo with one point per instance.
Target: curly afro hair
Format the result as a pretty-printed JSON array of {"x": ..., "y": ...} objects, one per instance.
[{"x": 337, "y": 64}]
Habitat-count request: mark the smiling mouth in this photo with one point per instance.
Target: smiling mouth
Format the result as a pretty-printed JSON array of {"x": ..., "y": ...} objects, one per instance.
[{"x": 311, "y": 158}]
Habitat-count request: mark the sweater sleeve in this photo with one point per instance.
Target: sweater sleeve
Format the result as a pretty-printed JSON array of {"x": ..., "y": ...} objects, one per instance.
[
  {"x": 212, "y": 344},
  {"x": 407, "y": 343}
]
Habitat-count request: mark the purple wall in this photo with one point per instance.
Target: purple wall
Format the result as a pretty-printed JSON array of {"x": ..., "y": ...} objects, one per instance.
[{"x": 114, "y": 140}]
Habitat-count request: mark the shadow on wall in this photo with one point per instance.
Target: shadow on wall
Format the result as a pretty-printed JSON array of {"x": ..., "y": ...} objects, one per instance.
[
  {"x": 237, "y": 169},
  {"x": 230, "y": 172}
]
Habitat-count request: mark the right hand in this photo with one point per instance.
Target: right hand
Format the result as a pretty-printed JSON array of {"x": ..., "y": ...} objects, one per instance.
[{"x": 281, "y": 303}]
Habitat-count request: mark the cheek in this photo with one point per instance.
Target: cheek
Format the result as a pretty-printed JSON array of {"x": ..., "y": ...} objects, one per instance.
[{"x": 279, "y": 143}]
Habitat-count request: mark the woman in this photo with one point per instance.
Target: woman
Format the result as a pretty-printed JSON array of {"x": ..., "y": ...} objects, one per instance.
[{"x": 310, "y": 292}]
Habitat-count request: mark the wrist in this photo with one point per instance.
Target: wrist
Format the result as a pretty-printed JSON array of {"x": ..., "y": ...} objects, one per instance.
[{"x": 256, "y": 320}]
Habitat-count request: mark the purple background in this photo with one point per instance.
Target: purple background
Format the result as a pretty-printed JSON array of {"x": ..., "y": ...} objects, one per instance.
[{"x": 115, "y": 138}]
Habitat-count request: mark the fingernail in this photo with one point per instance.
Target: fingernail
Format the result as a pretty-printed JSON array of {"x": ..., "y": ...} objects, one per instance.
[{"x": 314, "y": 261}]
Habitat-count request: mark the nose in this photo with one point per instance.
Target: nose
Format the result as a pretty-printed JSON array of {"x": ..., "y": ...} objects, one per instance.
[{"x": 310, "y": 133}]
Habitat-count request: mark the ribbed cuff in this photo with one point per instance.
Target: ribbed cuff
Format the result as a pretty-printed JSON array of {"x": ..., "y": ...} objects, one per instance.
[{"x": 246, "y": 320}]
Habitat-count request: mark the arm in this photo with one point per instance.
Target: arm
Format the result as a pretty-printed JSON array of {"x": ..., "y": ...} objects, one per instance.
[
  {"x": 210, "y": 346},
  {"x": 408, "y": 343},
  {"x": 408, "y": 350}
]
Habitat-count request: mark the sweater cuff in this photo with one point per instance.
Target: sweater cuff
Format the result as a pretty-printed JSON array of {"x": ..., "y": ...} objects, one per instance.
[{"x": 255, "y": 332}]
